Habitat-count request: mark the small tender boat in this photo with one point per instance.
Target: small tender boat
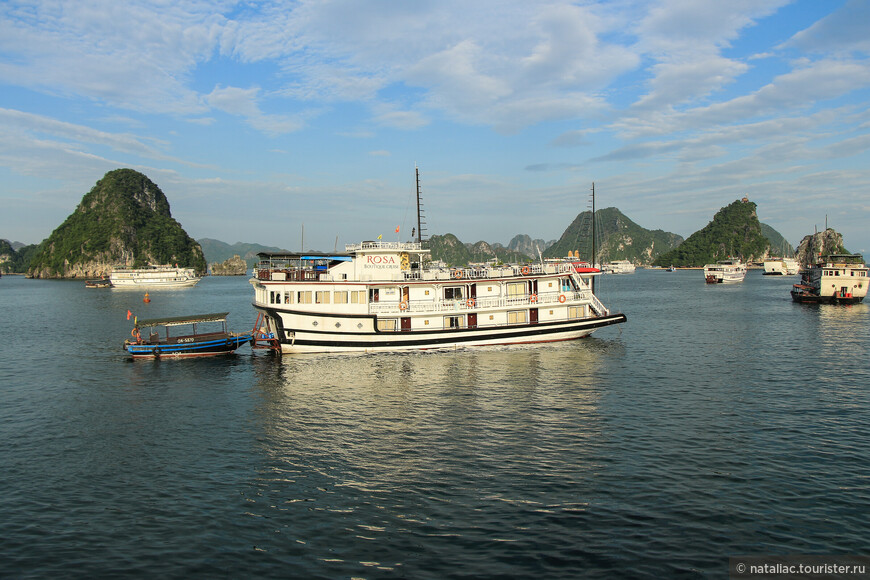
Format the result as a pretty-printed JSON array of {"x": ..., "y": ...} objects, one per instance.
[
  {"x": 99, "y": 283},
  {"x": 725, "y": 271},
  {"x": 147, "y": 342},
  {"x": 835, "y": 279}
]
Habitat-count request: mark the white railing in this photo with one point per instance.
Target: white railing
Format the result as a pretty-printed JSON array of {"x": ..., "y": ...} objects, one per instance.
[{"x": 428, "y": 306}]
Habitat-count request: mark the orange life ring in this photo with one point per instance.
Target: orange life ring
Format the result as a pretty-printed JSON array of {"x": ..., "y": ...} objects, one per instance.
[
  {"x": 533, "y": 298},
  {"x": 526, "y": 270},
  {"x": 562, "y": 298},
  {"x": 470, "y": 303},
  {"x": 403, "y": 305},
  {"x": 457, "y": 274}
]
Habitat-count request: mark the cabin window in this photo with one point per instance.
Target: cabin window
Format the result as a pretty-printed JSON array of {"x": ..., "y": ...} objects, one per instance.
[
  {"x": 303, "y": 297},
  {"x": 516, "y": 317},
  {"x": 321, "y": 297},
  {"x": 575, "y": 311},
  {"x": 516, "y": 289},
  {"x": 373, "y": 295},
  {"x": 340, "y": 297},
  {"x": 358, "y": 297},
  {"x": 287, "y": 296},
  {"x": 453, "y": 321},
  {"x": 272, "y": 297},
  {"x": 387, "y": 324},
  {"x": 453, "y": 293}
]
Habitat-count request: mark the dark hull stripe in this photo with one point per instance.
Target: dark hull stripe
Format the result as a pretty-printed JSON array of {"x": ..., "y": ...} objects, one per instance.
[{"x": 424, "y": 339}]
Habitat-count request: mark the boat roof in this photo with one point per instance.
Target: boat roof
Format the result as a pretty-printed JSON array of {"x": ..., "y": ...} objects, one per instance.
[
  {"x": 178, "y": 320},
  {"x": 282, "y": 255}
]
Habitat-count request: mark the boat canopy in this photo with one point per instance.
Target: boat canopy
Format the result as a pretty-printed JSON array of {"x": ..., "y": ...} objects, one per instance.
[{"x": 179, "y": 320}]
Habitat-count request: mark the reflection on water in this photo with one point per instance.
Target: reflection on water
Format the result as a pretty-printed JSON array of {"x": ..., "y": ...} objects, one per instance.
[{"x": 399, "y": 444}]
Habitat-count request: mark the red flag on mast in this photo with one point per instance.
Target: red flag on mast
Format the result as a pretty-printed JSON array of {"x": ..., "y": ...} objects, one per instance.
[
  {"x": 129, "y": 314},
  {"x": 397, "y": 229}
]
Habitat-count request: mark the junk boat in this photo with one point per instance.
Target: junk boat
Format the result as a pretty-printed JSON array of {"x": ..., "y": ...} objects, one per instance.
[
  {"x": 835, "y": 279},
  {"x": 725, "y": 271},
  {"x": 384, "y": 296},
  {"x": 154, "y": 277},
  {"x": 147, "y": 342}
]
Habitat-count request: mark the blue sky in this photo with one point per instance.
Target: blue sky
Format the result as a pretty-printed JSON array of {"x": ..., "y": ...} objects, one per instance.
[{"x": 256, "y": 118}]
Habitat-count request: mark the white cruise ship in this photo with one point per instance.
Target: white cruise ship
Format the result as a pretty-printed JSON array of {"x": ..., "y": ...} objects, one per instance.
[
  {"x": 384, "y": 296},
  {"x": 725, "y": 272},
  {"x": 620, "y": 267},
  {"x": 154, "y": 277}
]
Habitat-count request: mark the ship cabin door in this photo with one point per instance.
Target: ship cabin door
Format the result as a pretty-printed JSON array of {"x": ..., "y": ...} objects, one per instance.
[
  {"x": 373, "y": 294},
  {"x": 533, "y": 287},
  {"x": 472, "y": 291},
  {"x": 405, "y": 295},
  {"x": 472, "y": 320},
  {"x": 406, "y": 324},
  {"x": 533, "y": 315}
]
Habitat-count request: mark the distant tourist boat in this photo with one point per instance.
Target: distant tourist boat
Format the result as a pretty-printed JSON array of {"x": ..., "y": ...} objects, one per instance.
[
  {"x": 835, "y": 279},
  {"x": 384, "y": 296},
  {"x": 725, "y": 271},
  {"x": 780, "y": 267},
  {"x": 147, "y": 342},
  {"x": 154, "y": 277},
  {"x": 98, "y": 283},
  {"x": 619, "y": 267}
]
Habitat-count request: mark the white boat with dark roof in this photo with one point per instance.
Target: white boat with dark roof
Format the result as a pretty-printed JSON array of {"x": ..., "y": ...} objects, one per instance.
[
  {"x": 386, "y": 296},
  {"x": 834, "y": 279}
]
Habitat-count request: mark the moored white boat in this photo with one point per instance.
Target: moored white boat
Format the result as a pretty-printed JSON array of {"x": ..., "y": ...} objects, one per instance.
[
  {"x": 725, "y": 271},
  {"x": 153, "y": 277},
  {"x": 385, "y": 296},
  {"x": 780, "y": 267},
  {"x": 835, "y": 279},
  {"x": 620, "y": 267}
]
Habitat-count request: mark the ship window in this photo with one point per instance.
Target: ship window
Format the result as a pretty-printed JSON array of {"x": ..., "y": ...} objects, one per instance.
[
  {"x": 516, "y": 316},
  {"x": 321, "y": 297},
  {"x": 453, "y": 322},
  {"x": 387, "y": 324},
  {"x": 516, "y": 289},
  {"x": 575, "y": 312},
  {"x": 303, "y": 297},
  {"x": 358, "y": 297},
  {"x": 373, "y": 294},
  {"x": 272, "y": 297},
  {"x": 340, "y": 297},
  {"x": 453, "y": 293}
]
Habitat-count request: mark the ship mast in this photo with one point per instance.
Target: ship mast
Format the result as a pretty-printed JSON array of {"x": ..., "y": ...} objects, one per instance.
[
  {"x": 594, "y": 249},
  {"x": 420, "y": 222}
]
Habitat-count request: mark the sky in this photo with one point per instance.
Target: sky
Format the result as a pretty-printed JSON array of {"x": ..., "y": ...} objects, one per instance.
[{"x": 301, "y": 122}]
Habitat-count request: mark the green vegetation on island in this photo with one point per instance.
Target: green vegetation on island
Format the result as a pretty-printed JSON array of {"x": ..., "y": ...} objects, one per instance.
[
  {"x": 734, "y": 231},
  {"x": 124, "y": 220},
  {"x": 617, "y": 238}
]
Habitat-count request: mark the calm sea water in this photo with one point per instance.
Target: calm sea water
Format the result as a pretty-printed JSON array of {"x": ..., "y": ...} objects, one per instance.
[{"x": 718, "y": 421}]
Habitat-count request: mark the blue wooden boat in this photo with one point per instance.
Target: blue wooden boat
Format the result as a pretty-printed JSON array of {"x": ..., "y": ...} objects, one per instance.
[{"x": 207, "y": 336}]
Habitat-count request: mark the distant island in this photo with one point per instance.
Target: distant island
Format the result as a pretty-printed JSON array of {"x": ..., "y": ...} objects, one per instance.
[{"x": 123, "y": 220}]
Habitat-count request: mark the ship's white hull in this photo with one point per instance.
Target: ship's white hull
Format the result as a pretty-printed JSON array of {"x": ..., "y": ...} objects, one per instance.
[
  {"x": 292, "y": 340},
  {"x": 164, "y": 277},
  {"x": 154, "y": 284}
]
